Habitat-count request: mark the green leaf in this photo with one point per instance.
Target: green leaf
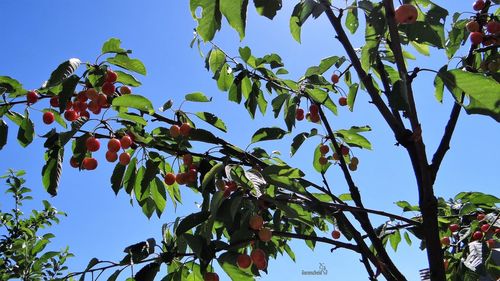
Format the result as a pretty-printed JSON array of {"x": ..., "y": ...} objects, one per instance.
[
  {"x": 51, "y": 171},
  {"x": 353, "y": 138},
  {"x": 26, "y": 131},
  {"x": 289, "y": 251},
  {"x": 148, "y": 272},
  {"x": 238, "y": 175},
  {"x": 297, "y": 142},
  {"x": 216, "y": 60},
  {"x": 209, "y": 176},
  {"x": 134, "y": 101},
  {"x": 228, "y": 263},
  {"x": 123, "y": 61},
  {"x": 226, "y": 78},
  {"x": 130, "y": 175},
  {"x": 116, "y": 177},
  {"x": 11, "y": 86},
  {"x": 63, "y": 71},
  {"x": 351, "y": 96},
  {"x": 127, "y": 79},
  {"x": 439, "y": 84},
  {"x": 210, "y": 20},
  {"x": 68, "y": 89},
  {"x": 133, "y": 118},
  {"x": 264, "y": 134},
  {"x": 324, "y": 65},
  {"x": 421, "y": 48},
  {"x": 4, "y": 129},
  {"x": 394, "y": 239},
  {"x": 351, "y": 20},
  {"x": 159, "y": 195},
  {"x": 235, "y": 12},
  {"x": 191, "y": 221},
  {"x": 197, "y": 97},
  {"x": 267, "y": 8},
  {"x": 113, "y": 276},
  {"x": 65, "y": 137},
  {"x": 422, "y": 32},
  {"x": 112, "y": 46},
  {"x": 407, "y": 238}
]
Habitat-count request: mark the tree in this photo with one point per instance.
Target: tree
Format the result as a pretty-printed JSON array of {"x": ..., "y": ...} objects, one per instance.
[{"x": 237, "y": 184}]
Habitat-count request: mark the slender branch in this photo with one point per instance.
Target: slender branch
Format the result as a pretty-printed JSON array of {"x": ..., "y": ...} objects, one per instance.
[{"x": 337, "y": 244}]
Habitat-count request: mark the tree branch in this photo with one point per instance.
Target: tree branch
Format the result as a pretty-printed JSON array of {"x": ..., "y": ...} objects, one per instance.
[{"x": 337, "y": 244}]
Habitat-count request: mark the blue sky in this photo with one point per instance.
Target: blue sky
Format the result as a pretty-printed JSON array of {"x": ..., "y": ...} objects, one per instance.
[{"x": 38, "y": 35}]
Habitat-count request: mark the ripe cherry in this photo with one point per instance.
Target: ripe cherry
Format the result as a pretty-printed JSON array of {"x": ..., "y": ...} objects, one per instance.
[
  {"x": 85, "y": 114},
  {"x": 445, "y": 241},
  {"x": 48, "y": 117},
  {"x": 355, "y": 160},
  {"x": 314, "y": 118},
  {"x": 472, "y": 26},
  {"x": 111, "y": 76},
  {"x": 480, "y": 216},
  {"x": 485, "y": 227},
  {"x": 336, "y": 234},
  {"x": 54, "y": 101},
  {"x": 344, "y": 150},
  {"x": 323, "y": 160},
  {"x": 299, "y": 114},
  {"x": 454, "y": 227},
  {"x": 124, "y": 158},
  {"x": 175, "y": 131},
  {"x": 211, "y": 276},
  {"x": 261, "y": 265},
  {"x": 324, "y": 149},
  {"x": 108, "y": 88},
  {"x": 243, "y": 261},
  {"x": 477, "y": 235},
  {"x": 92, "y": 94},
  {"x": 343, "y": 101},
  {"x": 92, "y": 144},
  {"x": 70, "y": 115},
  {"x": 490, "y": 243},
  {"x": 406, "y": 14},
  {"x": 353, "y": 167},
  {"x": 102, "y": 100},
  {"x": 125, "y": 90},
  {"x": 114, "y": 145},
  {"x": 170, "y": 178},
  {"x": 335, "y": 78},
  {"x": 31, "y": 97},
  {"x": 256, "y": 222},
  {"x": 73, "y": 162},
  {"x": 126, "y": 141},
  {"x": 314, "y": 109},
  {"x": 111, "y": 156},
  {"x": 476, "y": 38},
  {"x": 265, "y": 234},
  {"x": 478, "y": 5},
  {"x": 185, "y": 129},
  {"x": 80, "y": 106},
  {"x": 493, "y": 27},
  {"x": 89, "y": 163},
  {"x": 258, "y": 256},
  {"x": 187, "y": 159}
]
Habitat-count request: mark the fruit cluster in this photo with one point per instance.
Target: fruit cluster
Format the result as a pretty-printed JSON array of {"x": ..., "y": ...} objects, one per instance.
[
  {"x": 484, "y": 230},
  {"x": 484, "y": 29},
  {"x": 189, "y": 175},
  {"x": 93, "y": 144}
]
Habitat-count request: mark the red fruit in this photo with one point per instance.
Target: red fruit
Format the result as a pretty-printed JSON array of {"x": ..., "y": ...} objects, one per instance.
[
  {"x": 114, "y": 145},
  {"x": 232, "y": 185},
  {"x": 92, "y": 94},
  {"x": 180, "y": 178},
  {"x": 31, "y": 97},
  {"x": 454, "y": 227},
  {"x": 92, "y": 144},
  {"x": 48, "y": 117},
  {"x": 191, "y": 175},
  {"x": 335, "y": 156},
  {"x": 355, "y": 161},
  {"x": 336, "y": 234},
  {"x": 94, "y": 107},
  {"x": 243, "y": 261},
  {"x": 485, "y": 227},
  {"x": 261, "y": 265},
  {"x": 265, "y": 234},
  {"x": 185, "y": 129},
  {"x": 175, "y": 131},
  {"x": 476, "y": 38},
  {"x": 126, "y": 141},
  {"x": 477, "y": 235},
  {"x": 323, "y": 160},
  {"x": 125, "y": 90},
  {"x": 85, "y": 114},
  {"x": 70, "y": 115},
  {"x": 480, "y": 216},
  {"x": 256, "y": 222},
  {"x": 472, "y": 26},
  {"x": 490, "y": 243},
  {"x": 102, "y": 100},
  {"x": 124, "y": 158},
  {"x": 478, "y": 5},
  {"x": 314, "y": 109},
  {"x": 82, "y": 96},
  {"x": 344, "y": 150},
  {"x": 111, "y": 76},
  {"x": 227, "y": 193},
  {"x": 493, "y": 27},
  {"x": 257, "y": 256},
  {"x": 445, "y": 241},
  {"x": 187, "y": 159},
  {"x": 80, "y": 106},
  {"x": 299, "y": 114},
  {"x": 111, "y": 156},
  {"x": 343, "y": 101},
  {"x": 54, "y": 101},
  {"x": 314, "y": 118},
  {"x": 497, "y": 231},
  {"x": 69, "y": 105},
  {"x": 406, "y": 14},
  {"x": 324, "y": 149},
  {"x": 211, "y": 276},
  {"x": 73, "y": 162},
  {"x": 108, "y": 88},
  {"x": 335, "y": 78},
  {"x": 89, "y": 163},
  {"x": 170, "y": 178}
]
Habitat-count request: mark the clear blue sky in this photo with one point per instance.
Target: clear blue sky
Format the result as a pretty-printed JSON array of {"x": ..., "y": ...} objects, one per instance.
[{"x": 38, "y": 35}]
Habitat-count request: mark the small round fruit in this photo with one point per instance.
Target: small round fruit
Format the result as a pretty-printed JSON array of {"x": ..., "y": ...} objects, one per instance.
[
  {"x": 187, "y": 159},
  {"x": 480, "y": 216},
  {"x": 54, "y": 101},
  {"x": 231, "y": 185},
  {"x": 92, "y": 94},
  {"x": 92, "y": 144},
  {"x": 256, "y": 222},
  {"x": 125, "y": 90},
  {"x": 490, "y": 243},
  {"x": 111, "y": 76},
  {"x": 476, "y": 38},
  {"x": 185, "y": 129},
  {"x": 124, "y": 158},
  {"x": 261, "y": 265},
  {"x": 180, "y": 178},
  {"x": 454, "y": 227},
  {"x": 478, "y": 5},
  {"x": 314, "y": 109},
  {"x": 335, "y": 156},
  {"x": 406, "y": 14},
  {"x": 126, "y": 141},
  {"x": 48, "y": 117},
  {"x": 335, "y": 78},
  {"x": 80, "y": 106},
  {"x": 355, "y": 161},
  {"x": 89, "y": 163},
  {"x": 477, "y": 235},
  {"x": 352, "y": 166},
  {"x": 170, "y": 178},
  {"x": 493, "y": 27},
  {"x": 344, "y": 150},
  {"x": 472, "y": 26},
  {"x": 342, "y": 101},
  {"x": 323, "y": 160},
  {"x": 111, "y": 156},
  {"x": 335, "y": 234},
  {"x": 324, "y": 149},
  {"x": 445, "y": 241},
  {"x": 227, "y": 193},
  {"x": 485, "y": 227},
  {"x": 108, "y": 88},
  {"x": 82, "y": 96},
  {"x": 102, "y": 100},
  {"x": 314, "y": 118},
  {"x": 211, "y": 276},
  {"x": 31, "y": 97},
  {"x": 85, "y": 114},
  {"x": 175, "y": 131},
  {"x": 114, "y": 145},
  {"x": 257, "y": 256},
  {"x": 299, "y": 114},
  {"x": 243, "y": 261},
  {"x": 70, "y": 115},
  {"x": 265, "y": 234},
  {"x": 73, "y": 162}
]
